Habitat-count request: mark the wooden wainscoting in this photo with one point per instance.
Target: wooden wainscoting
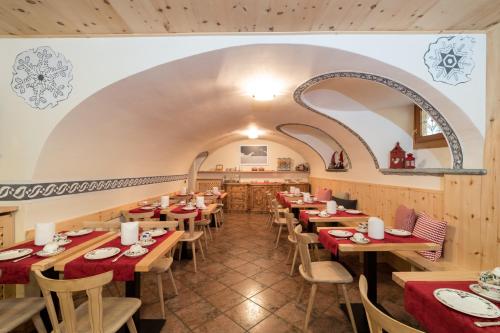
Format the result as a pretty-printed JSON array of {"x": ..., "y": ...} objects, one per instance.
[
  {"x": 7, "y": 223},
  {"x": 471, "y": 239},
  {"x": 203, "y": 185},
  {"x": 100, "y": 216}
]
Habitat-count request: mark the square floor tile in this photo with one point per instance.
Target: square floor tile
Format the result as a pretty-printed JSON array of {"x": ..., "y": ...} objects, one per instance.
[
  {"x": 225, "y": 299},
  {"x": 247, "y": 314},
  {"x": 270, "y": 299},
  {"x": 248, "y": 287},
  {"x": 197, "y": 314}
]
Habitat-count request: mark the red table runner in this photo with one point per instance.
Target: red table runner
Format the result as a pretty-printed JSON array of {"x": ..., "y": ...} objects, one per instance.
[
  {"x": 332, "y": 243},
  {"x": 179, "y": 210},
  {"x": 123, "y": 269},
  {"x": 304, "y": 217},
  {"x": 141, "y": 210},
  {"x": 19, "y": 272},
  {"x": 436, "y": 317}
]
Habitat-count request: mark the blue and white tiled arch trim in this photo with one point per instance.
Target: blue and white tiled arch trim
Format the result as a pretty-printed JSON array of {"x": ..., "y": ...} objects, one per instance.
[
  {"x": 18, "y": 192},
  {"x": 451, "y": 137}
]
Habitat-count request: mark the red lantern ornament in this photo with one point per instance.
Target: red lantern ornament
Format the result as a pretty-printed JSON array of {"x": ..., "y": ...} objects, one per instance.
[
  {"x": 397, "y": 157},
  {"x": 410, "y": 161}
]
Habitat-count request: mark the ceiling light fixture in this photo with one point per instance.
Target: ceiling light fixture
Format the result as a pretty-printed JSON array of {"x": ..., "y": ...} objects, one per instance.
[
  {"x": 253, "y": 132},
  {"x": 263, "y": 87}
]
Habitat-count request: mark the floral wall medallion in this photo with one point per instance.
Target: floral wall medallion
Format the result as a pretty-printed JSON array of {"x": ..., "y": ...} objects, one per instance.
[
  {"x": 42, "y": 77},
  {"x": 449, "y": 59}
]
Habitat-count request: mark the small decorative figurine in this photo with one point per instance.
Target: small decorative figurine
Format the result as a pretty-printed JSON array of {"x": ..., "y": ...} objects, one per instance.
[
  {"x": 397, "y": 157},
  {"x": 410, "y": 161}
]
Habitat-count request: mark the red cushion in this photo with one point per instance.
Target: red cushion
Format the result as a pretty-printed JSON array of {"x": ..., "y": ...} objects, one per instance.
[
  {"x": 405, "y": 218},
  {"x": 432, "y": 230},
  {"x": 324, "y": 194}
]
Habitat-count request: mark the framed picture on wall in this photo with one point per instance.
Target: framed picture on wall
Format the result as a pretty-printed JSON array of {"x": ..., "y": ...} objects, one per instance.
[
  {"x": 284, "y": 164},
  {"x": 219, "y": 167},
  {"x": 253, "y": 155}
]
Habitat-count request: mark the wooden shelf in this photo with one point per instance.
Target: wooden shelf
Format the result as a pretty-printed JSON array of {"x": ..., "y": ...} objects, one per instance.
[
  {"x": 248, "y": 172},
  {"x": 432, "y": 172}
]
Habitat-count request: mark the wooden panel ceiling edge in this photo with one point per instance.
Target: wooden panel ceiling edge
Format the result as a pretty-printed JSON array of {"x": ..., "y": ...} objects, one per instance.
[{"x": 166, "y": 34}]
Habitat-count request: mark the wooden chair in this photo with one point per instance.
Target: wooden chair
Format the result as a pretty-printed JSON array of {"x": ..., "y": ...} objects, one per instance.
[
  {"x": 313, "y": 239},
  {"x": 137, "y": 216},
  {"x": 280, "y": 221},
  {"x": 97, "y": 315},
  {"x": 191, "y": 236},
  {"x": 219, "y": 216},
  {"x": 204, "y": 225},
  {"x": 377, "y": 320},
  {"x": 16, "y": 311},
  {"x": 160, "y": 266},
  {"x": 320, "y": 272}
]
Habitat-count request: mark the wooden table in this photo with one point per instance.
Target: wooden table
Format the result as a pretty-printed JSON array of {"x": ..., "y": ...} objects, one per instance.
[
  {"x": 49, "y": 262},
  {"x": 402, "y": 277},
  {"x": 370, "y": 265},
  {"x": 133, "y": 288}
]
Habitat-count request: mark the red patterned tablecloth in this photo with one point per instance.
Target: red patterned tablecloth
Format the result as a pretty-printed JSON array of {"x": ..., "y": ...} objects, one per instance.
[
  {"x": 332, "y": 243},
  {"x": 123, "y": 269},
  {"x": 19, "y": 272},
  {"x": 304, "y": 217},
  {"x": 436, "y": 317}
]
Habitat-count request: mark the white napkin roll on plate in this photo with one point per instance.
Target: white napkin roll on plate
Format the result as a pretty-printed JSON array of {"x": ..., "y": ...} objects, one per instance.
[
  {"x": 129, "y": 233},
  {"x": 375, "y": 228},
  {"x": 331, "y": 207}
]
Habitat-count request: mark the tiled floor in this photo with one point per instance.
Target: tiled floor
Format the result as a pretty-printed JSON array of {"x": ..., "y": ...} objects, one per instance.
[{"x": 244, "y": 286}]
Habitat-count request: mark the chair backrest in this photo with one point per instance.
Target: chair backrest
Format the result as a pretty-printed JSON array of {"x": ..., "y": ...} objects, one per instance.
[
  {"x": 64, "y": 290},
  {"x": 181, "y": 217},
  {"x": 303, "y": 245},
  {"x": 289, "y": 224},
  {"x": 378, "y": 320},
  {"x": 144, "y": 225},
  {"x": 100, "y": 225},
  {"x": 342, "y": 195},
  {"x": 137, "y": 216}
]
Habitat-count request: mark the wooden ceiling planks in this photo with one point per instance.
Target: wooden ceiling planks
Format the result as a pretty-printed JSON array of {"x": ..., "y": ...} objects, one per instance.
[{"x": 102, "y": 17}]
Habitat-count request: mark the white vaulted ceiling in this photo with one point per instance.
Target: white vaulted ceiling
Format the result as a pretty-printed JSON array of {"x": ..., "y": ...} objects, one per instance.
[{"x": 164, "y": 116}]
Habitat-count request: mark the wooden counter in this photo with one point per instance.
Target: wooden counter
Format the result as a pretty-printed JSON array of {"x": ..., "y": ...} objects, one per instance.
[{"x": 252, "y": 196}]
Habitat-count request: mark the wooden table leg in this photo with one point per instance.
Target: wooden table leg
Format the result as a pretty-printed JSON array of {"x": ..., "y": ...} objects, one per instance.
[{"x": 133, "y": 289}]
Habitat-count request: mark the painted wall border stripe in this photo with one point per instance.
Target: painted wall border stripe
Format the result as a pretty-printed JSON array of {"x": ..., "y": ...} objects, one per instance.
[{"x": 19, "y": 192}]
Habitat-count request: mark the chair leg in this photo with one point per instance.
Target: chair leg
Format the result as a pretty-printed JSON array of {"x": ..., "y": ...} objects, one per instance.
[
  {"x": 294, "y": 259},
  {"x": 38, "y": 323},
  {"x": 180, "y": 250},
  {"x": 173, "y": 281},
  {"x": 310, "y": 305},
  {"x": 205, "y": 236},
  {"x": 349, "y": 309},
  {"x": 193, "y": 248},
  {"x": 278, "y": 237},
  {"x": 209, "y": 232},
  {"x": 201, "y": 249},
  {"x": 289, "y": 253},
  {"x": 316, "y": 251},
  {"x": 160, "y": 294},
  {"x": 301, "y": 290},
  {"x": 131, "y": 325}
]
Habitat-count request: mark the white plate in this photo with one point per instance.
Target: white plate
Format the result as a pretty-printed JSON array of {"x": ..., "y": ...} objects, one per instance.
[
  {"x": 323, "y": 215},
  {"x": 157, "y": 232},
  {"x": 467, "y": 303},
  {"x": 147, "y": 207},
  {"x": 482, "y": 292},
  {"x": 148, "y": 242},
  {"x": 63, "y": 242},
  {"x": 312, "y": 212},
  {"x": 81, "y": 232},
  {"x": 398, "y": 232},
  {"x": 42, "y": 253},
  {"x": 353, "y": 211},
  {"x": 188, "y": 208},
  {"x": 102, "y": 253},
  {"x": 340, "y": 233},
  {"x": 362, "y": 230},
  {"x": 364, "y": 241},
  {"x": 323, "y": 201},
  {"x": 131, "y": 254},
  {"x": 14, "y": 254}
]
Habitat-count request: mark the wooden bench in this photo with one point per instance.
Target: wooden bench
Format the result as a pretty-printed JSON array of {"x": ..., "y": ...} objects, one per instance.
[{"x": 417, "y": 262}]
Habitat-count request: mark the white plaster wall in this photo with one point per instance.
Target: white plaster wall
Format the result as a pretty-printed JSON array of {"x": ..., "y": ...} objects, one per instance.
[{"x": 229, "y": 155}]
